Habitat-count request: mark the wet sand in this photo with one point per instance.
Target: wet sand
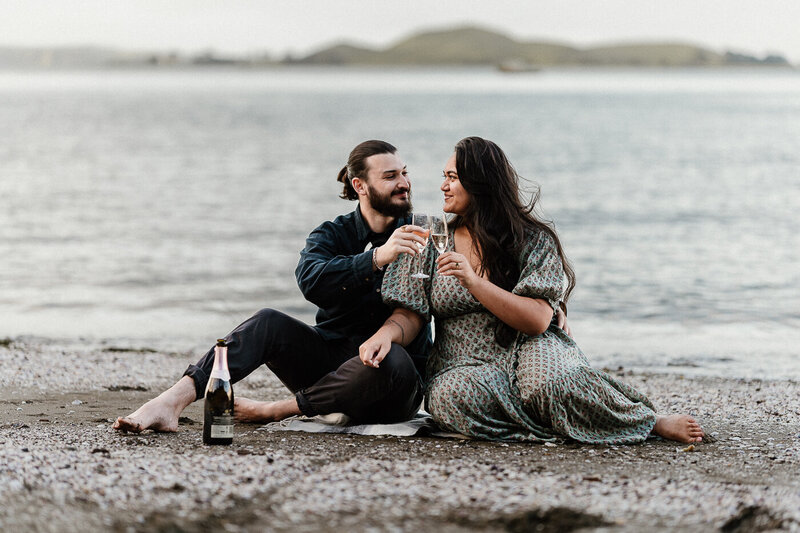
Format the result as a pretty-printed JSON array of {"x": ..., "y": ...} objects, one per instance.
[{"x": 62, "y": 467}]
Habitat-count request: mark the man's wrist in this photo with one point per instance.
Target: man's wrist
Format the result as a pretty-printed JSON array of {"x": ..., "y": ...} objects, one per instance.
[{"x": 375, "y": 265}]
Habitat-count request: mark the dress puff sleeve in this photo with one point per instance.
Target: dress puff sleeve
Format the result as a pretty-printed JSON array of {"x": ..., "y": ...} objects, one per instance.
[
  {"x": 541, "y": 271},
  {"x": 399, "y": 289}
]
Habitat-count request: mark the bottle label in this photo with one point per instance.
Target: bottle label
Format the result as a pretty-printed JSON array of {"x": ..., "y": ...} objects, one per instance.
[{"x": 222, "y": 427}]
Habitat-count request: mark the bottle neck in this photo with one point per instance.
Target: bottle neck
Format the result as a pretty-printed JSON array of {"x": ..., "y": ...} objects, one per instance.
[{"x": 220, "y": 370}]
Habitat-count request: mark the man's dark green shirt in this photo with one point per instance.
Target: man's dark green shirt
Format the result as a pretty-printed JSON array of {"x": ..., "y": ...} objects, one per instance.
[{"x": 335, "y": 274}]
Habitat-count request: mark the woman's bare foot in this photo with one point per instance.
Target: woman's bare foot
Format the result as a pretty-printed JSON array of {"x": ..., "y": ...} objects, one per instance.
[
  {"x": 682, "y": 428},
  {"x": 252, "y": 412},
  {"x": 161, "y": 413}
]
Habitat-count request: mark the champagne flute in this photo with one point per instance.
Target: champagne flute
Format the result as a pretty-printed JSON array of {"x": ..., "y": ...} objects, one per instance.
[
  {"x": 439, "y": 233},
  {"x": 422, "y": 220}
]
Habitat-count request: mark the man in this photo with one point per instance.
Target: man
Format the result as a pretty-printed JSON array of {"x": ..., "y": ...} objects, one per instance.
[{"x": 340, "y": 271}]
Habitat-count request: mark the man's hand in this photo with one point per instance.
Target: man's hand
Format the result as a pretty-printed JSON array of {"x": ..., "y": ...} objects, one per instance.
[
  {"x": 402, "y": 241},
  {"x": 375, "y": 348},
  {"x": 561, "y": 321}
]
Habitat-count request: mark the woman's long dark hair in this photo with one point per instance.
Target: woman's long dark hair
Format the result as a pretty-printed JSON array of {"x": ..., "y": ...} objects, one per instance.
[{"x": 499, "y": 220}]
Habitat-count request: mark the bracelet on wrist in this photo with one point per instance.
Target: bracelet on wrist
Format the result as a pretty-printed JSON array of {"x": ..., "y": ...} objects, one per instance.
[{"x": 375, "y": 261}]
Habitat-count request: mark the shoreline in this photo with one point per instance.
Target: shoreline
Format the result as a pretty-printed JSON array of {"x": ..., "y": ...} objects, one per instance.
[{"x": 64, "y": 469}]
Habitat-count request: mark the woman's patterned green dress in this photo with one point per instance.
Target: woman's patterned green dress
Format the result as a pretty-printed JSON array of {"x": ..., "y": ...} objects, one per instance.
[{"x": 539, "y": 388}]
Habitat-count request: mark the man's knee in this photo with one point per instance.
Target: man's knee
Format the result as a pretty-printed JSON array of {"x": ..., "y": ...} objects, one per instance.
[
  {"x": 256, "y": 337},
  {"x": 396, "y": 369},
  {"x": 389, "y": 393},
  {"x": 266, "y": 323},
  {"x": 269, "y": 317},
  {"x": 398, "y": 364}
]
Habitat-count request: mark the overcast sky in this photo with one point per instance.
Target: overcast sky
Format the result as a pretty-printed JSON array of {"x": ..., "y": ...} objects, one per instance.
[{"x": 300, "y": 26}]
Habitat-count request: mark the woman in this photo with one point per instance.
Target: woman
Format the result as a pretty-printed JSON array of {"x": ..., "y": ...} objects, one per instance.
[{"x": 500, "y": 368}]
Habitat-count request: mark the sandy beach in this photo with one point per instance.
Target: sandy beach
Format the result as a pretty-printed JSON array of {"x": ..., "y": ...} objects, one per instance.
[{"x": 62, "y": 467}]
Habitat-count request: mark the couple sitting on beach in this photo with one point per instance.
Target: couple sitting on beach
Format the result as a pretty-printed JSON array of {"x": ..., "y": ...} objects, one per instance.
[{"x": 503, "y": 365}]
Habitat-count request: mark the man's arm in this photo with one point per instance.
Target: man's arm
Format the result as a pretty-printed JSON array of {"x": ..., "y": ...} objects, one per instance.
[{"x": 326, "y": 274}]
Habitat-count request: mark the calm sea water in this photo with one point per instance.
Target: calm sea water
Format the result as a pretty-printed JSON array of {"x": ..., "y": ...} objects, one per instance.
[{"x": 166, "y": 207}]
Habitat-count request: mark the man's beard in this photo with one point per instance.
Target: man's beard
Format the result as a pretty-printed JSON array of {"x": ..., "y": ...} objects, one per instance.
[{"x": 384, "y": 205}]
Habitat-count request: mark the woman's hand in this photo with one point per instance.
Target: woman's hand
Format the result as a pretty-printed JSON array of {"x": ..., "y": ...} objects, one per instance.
[
  {"x": 374, "y": 349},
  {"x": 531, "y": 316},
  {"x": 455, "y": 264},
  {"x": 561, "y": 322},
  {"x": 402, "y": 241},
  {"x": 401, "y": 327}
]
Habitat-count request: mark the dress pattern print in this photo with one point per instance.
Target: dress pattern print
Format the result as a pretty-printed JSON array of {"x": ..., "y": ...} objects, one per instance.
[{"x": 539, "y": 388}]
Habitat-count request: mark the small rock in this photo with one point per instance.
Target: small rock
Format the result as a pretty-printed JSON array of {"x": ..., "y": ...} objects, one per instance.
[{"x": 76, "y": 402}]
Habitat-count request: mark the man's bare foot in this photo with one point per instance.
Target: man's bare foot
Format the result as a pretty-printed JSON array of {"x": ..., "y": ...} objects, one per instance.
[
  {"x": 252, "y": 412},
  {"x": 682, "y": 428},
  {"x": 155, "y": 415},
  {"x": 161, "y": 413}
]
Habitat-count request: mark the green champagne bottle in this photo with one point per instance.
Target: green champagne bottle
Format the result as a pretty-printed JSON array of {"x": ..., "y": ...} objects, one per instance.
[{"x": 218, "y": 408}]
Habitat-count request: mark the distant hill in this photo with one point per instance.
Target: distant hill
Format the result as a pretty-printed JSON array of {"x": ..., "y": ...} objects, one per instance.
[
  {"x": 341, "y": 54},
  {"x": 651, "y": 54},
  {"x": 478, "y": 46},
  {"x": 460, "y": 46},
  {"x": 456, "y": 46}
]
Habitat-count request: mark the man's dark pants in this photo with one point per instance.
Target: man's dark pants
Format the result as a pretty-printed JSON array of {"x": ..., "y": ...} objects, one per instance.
[{"x": 326, "y": 375}]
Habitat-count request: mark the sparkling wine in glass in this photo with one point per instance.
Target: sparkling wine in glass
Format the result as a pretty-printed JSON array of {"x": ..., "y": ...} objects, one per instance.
[
  {"x": 422, "y": 220},
  {"x": 439, "y": 233}
]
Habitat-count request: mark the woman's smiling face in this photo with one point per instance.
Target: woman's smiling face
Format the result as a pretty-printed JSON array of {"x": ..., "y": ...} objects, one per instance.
[{"x": 456, "y": 198}]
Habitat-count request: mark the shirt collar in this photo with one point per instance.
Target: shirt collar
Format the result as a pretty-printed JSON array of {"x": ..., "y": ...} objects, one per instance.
[{"x": 362, "y": 228}]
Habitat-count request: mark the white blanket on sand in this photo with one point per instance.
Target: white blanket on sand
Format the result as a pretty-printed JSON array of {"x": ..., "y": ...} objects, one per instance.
[{"x": 421, "y": 425}]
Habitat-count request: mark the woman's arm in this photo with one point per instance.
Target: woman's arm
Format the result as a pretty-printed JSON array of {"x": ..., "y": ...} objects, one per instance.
[
  {"x": 531, "y": 316},
  {"x": 401, "y": 327}
]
